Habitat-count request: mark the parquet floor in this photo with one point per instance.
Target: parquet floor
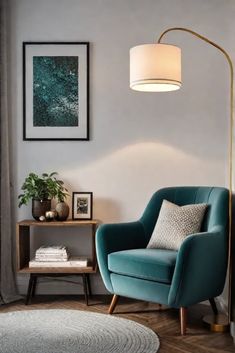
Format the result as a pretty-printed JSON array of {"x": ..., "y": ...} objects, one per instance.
[{"x": 163, "y": 321}]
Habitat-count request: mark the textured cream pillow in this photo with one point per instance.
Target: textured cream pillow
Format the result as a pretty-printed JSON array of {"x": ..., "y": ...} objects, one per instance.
[{"x": 175, "y": 223}]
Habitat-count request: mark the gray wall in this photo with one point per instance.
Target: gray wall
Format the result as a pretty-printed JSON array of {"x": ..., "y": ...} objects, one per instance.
[{"x": 139, "y": 142}]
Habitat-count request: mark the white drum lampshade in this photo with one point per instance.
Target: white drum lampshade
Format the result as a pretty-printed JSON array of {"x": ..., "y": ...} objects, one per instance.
[{"x": 155, "y": 68}]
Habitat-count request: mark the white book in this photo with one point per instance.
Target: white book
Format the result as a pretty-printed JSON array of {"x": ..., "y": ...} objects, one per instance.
[
  {"x": 74, "y": 261},
  {"x": 51, "y": 257},
  {"x": 52, "y": 253},
  {"x": 57, "y": 249}
]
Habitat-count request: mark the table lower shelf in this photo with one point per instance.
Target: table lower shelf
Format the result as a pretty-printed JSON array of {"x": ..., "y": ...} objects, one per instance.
[
  {"x": 66, "y": 270},
  {"x": 34, "y": 276}
]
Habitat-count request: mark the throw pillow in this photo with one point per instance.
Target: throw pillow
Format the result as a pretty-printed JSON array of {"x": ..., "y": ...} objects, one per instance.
[{"x": 174, "y": 223}]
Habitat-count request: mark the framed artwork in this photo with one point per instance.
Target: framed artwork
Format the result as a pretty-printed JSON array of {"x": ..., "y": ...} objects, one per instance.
[
  {"x": 55, "y": 91},
  {"x": 82, "y": 205}
]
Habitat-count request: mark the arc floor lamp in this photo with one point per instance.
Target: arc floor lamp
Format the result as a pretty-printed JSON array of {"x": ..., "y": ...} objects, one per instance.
[{"x": 157, "y": 68}]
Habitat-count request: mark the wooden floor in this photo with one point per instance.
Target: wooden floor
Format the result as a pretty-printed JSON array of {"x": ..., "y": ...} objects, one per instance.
[{"x": 163, "y": 321}]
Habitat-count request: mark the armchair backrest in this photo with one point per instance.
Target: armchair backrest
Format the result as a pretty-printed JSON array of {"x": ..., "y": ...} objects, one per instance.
[{"x": 217, "y": 199}]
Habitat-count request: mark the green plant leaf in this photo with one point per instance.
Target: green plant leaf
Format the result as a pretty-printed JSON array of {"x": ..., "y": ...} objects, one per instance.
[
  {"x": 45, "y": 187},
  {"x": 53, "y": 173}
]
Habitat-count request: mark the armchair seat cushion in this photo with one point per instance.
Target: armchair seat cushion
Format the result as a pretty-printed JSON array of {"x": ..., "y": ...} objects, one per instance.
[{"x": 149, "y": 264}]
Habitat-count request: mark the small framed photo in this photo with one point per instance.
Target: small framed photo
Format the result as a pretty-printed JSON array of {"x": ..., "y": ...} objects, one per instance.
[
  {"x": 56, "y": 91},
  {"x": 82, "y": 205}
]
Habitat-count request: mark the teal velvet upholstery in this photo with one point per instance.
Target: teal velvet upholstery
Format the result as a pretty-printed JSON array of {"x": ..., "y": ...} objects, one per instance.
[
  {"x": 151, "y": 264},
  {"x": 176, "y": 278}
]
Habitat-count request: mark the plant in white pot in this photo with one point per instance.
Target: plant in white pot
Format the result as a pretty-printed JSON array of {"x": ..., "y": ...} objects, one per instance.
[{"x": 41, "y": 190}]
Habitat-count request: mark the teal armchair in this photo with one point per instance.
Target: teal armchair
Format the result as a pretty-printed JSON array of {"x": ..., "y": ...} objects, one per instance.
[{"x": 194, "y": 273}]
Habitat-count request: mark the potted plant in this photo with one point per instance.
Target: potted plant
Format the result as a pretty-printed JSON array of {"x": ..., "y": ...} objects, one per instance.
[{"x": 41, "y": 190}]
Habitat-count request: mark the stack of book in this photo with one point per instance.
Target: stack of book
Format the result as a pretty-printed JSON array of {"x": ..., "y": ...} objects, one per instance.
[
  {"x": 52, "y": 253},
  {"x": 56, "y": 256}
]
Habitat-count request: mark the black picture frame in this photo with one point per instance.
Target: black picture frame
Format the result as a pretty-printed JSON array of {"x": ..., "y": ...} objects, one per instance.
[
  {"x": 35, "y": 124},
  {"x": 82, "y": 205}
]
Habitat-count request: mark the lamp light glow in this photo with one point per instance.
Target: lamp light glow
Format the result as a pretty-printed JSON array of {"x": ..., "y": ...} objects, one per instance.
[{"x": 155, "y": 68}]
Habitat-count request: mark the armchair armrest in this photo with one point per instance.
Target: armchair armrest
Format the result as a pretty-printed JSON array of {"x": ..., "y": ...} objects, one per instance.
[
  {"x": 200, "y": 269},
  {"x": 117, "y": 237}
]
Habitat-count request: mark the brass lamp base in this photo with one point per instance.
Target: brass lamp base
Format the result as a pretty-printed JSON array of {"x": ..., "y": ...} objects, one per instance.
[{"x": 216, "y": 323}]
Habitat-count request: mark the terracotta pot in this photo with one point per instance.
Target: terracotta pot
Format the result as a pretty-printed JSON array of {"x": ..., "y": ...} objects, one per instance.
[
  {"x": 62, "y": 209},
  {"x": 40, "y": 207}
]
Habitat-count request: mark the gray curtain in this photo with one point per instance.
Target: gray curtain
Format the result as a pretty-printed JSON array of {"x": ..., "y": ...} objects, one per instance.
[{"x": 8, "y": 290}]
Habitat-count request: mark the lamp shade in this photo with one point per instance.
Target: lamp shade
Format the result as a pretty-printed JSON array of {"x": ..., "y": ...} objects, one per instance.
[{"x": 155, "y": 68}]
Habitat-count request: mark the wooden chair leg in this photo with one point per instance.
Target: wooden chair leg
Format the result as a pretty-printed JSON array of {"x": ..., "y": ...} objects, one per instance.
[
  {"x": 113, "y": 303},
  {"x": 213, "y": 306},
  {"x": 183, "y": 320}
]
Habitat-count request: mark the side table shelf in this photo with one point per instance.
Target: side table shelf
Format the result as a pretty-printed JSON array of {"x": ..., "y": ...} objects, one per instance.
[{"x": 23, "y": 255}]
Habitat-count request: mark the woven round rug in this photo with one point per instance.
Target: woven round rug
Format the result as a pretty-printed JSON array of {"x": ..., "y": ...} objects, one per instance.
[{"x": 73, "y": 331}]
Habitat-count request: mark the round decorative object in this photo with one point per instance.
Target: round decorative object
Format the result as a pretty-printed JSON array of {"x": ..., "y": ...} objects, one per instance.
[
  {"x": 40, "y": 207},
  {"x": 62, "y": 210},
  {"x": 50, "y": 215},
  {"x": 216, "y": 323},
  {"x": 73, "y": 331},
  {"x": 42, "y": 218}
]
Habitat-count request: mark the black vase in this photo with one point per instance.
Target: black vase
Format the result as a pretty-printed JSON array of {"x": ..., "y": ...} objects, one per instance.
[{"x": 40, "y": 207}]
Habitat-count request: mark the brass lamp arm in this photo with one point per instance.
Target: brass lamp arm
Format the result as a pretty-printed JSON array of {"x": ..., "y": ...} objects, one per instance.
[
  {"x": 230, "y": 153},
  {"x": 200, "y": 37}
]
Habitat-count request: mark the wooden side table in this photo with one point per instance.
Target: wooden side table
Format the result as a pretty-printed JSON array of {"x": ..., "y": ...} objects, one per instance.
[{"x": 23, "y": 255}]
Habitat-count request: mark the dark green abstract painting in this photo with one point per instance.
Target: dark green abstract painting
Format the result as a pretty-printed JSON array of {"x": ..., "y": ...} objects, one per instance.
[{"x": 55, "y": 91}]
